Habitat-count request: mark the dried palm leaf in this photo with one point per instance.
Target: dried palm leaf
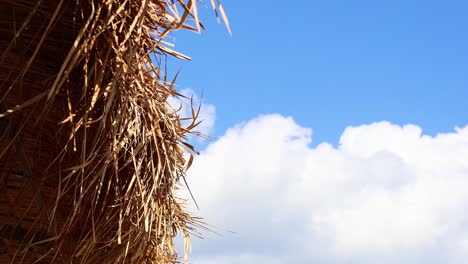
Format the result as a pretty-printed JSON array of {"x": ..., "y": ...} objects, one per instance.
[{"x": 91, "y": 153}]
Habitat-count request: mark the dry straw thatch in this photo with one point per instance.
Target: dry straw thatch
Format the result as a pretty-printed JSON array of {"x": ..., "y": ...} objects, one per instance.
[{"x": 90, "y": 152}]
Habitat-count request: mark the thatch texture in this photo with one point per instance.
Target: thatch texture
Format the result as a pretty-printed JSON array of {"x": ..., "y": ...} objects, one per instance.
[{"x": 90, "y": 151}]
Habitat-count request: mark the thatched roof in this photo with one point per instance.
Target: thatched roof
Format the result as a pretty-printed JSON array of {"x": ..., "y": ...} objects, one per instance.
[{"x": 90, "y": 151}]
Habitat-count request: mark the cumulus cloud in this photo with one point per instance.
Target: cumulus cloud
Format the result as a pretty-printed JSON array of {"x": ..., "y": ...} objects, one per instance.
[
  {"x": 207, "y": 111},
  {"x": 385, "y": 194},
  {"x": 241, "y": 259}
]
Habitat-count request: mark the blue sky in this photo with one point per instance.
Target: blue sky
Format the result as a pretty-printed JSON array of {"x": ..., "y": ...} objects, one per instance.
[
  {"x": 330, "y": 63},
  {"x": 341, "y": 132}
]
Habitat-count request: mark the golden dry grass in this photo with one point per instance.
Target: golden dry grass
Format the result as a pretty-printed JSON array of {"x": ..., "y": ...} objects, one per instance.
[{"x": 84, "y": 102}]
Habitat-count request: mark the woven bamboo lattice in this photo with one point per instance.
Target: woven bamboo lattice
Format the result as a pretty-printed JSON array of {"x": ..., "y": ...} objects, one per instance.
[{"x": 90, "y": 152}]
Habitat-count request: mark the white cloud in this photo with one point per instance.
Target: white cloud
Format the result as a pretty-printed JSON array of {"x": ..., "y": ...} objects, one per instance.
[
  {"x": 207, "y": 111},
  {"x": 240, "y": 259},
  {"x": 386, "y": 194}
]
